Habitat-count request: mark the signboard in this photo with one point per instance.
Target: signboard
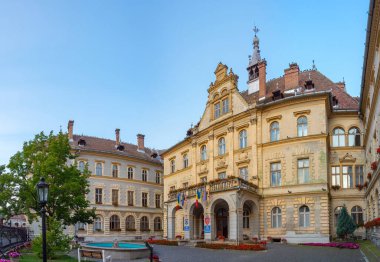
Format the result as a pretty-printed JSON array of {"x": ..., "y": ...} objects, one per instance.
[
  {"x": 186, "y": 226},
  {"x": 207, "y": 226}
]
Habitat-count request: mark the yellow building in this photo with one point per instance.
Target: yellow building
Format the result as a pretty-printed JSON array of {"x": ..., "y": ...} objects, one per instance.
[
  {"x": 370, "y": 111},
  {"x": 277, "y": 160}
]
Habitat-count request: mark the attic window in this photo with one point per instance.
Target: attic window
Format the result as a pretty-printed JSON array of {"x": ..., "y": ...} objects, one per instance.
[
  {"x": 334, "y": 101},
  {"x": 277, "y": 95},
  {"x": 253, "y": 73},
  {"x": 309, "y": 85},
  {"x": 189, "y": 132},
  {"x": 154, "y": 155},
  {"x": 120, "y": 147},
  {"x": 82, "y": 142}
]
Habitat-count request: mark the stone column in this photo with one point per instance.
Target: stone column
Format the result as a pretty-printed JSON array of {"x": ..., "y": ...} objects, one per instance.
[
  {"x": 233, "y": 224},
  {"x": 170, "y": 227}
]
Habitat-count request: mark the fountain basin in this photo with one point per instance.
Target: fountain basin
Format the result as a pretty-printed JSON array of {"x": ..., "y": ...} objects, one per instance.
[{"x": 124, "y": 252}]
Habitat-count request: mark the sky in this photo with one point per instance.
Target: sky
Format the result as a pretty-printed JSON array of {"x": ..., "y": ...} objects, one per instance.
[{"x": 145, "y": 66}]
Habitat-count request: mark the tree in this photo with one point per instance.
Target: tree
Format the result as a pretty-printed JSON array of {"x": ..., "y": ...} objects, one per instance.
[
  {"x": 346, "y": 224},
  {"x": 49, "y": 156}
]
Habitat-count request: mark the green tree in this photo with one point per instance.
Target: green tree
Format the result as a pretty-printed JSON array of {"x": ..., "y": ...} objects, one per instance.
[
  {"x": 49, "y": 156},
  {"x": 57, "y": 241},
  {"x": 346, "y": 224}
]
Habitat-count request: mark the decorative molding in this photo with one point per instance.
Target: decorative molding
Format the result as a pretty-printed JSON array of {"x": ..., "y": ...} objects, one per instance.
[
  {"x": 347, "y": 158},
  {"x": 253, "y": 120},
  {"x": 210, "y": 137},
  {"x": 230, "y": 129},
  {"x": 220, "y": 135},
  {"x": 242, "y": 126},
  {"x": 278, "y": 117},
  {"x": 244, "y": 161},
  {"x": 302, "y": 112}
]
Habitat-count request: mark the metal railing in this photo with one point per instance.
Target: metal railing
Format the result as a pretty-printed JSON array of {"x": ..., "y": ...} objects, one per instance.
[{"x": 11, "y": 237}]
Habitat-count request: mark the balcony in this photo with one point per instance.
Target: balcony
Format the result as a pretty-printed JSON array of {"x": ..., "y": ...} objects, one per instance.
[{"x": 215, "y": 186}]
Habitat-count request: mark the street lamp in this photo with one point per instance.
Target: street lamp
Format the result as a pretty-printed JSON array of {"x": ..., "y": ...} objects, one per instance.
[{"x": 43, "y": 192}]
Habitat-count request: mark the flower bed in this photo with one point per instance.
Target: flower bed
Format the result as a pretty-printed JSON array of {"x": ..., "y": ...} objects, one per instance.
[
  {"x": 254, "y": 247},
  {"x": 334, "y": 244},
  {"x": 163, "y": 242}
]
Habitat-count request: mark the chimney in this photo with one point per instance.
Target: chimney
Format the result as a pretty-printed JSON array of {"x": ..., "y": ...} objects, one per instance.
[
  {"x": 140, "y": 142},
  {"x": 262, "y": 65},
  {"x": 291, "y": 76},
  {"x": 117, "y": 133},
  {"x": 70, "y": 128},
  {"x": 342, "y": 85}
]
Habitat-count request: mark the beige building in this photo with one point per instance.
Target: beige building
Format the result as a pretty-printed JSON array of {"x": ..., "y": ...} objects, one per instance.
[
  {"x": 370, "y": 111},
  {"x": 126, "y": 187},
  {"x": 277, "y": 160}
]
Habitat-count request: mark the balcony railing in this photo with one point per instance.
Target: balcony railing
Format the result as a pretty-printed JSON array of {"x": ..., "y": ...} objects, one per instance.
[{"x": 215, "y": 186}]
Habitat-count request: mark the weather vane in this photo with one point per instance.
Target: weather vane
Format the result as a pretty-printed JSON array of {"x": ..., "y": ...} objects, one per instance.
[{"x": 256, "y": 30}]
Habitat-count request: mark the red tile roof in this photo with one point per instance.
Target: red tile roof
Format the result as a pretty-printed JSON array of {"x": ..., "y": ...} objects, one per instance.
[
  {"x": 321, "y": 83},
  {"x": 108, "y": 146}
]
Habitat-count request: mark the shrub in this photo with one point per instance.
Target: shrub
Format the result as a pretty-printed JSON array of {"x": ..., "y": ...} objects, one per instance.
[
  {"x": 346, "y": 224},
  {"x": 56, "y": 240},
  {"x": 163, "y": 242},
  {"x": 252, "y": 247}
]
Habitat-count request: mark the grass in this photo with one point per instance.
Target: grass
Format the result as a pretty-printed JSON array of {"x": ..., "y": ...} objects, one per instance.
[
  {"x": 370, "y": 250},
  {"x": 34, "y": 258}
]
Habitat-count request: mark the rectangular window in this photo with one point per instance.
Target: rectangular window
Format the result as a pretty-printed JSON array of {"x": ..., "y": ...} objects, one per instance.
[
  {"x": 225, "y": 106},
  {"x": 144, "y": 175},
  {"x": 172, "y": 188},
  {"x": 222, "y": 175},
  {"x": 115, "y": 171},
  {"x": 98, "y": 195},
  {"x": 243, "y": 172},
  {"x": 359, "y": 175},
  {"x": 158, "y": 201},
  {"x": 130, "y": 172},
  {"x": 335, "y": 176},
  {"x": 275, "y": 172},
  {"x": 303, "y": 171},
  {"x": 216, "y": 110},
  {"x": 115, "y": 197},
  {"x": 347, "y": 176},
  {"x": 185, "y": 185},
  {"x": 204, "y": 179},
  {"x": 130, "y": 198},
  {"x": 144, "y": 199},
  {"x": 158, "y": 177}
]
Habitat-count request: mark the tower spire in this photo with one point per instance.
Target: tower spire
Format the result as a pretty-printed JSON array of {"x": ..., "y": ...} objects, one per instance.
[{"x": 255, "y": 58}]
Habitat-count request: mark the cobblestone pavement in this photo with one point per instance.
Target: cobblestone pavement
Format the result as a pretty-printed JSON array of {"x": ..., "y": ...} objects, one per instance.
[{"x": 275, "y": 252}]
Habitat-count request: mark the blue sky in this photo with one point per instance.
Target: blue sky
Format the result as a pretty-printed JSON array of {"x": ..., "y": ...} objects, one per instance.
[{"x": 145, "y": 66}]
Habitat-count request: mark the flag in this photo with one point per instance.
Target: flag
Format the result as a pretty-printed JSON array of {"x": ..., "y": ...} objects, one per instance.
[
  {"x": 204, "y": 195},
  {"x": 196, "y": 198},
  {"x": 183, "y": 199}
]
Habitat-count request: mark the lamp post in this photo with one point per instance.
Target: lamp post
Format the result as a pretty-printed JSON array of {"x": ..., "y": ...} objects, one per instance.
[{"x": 42, "y": 192}]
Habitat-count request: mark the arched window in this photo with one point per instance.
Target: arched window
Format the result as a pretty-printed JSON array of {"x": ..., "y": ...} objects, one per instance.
[
  {"x": 276, "y": 217},
  {"x": 130, "y": 223},
  {"x": 338, "y": 137},
  {"x": 185, "y": 161},
  {"x": 130, "y": 172},
  {"x": 99, "y": 169},
  {"x": 157, "y": 224},
  {"x": 336, "y": 214},
  {"x": 172, "y": 166},
  {"x": 354, "y": 137},
  {"x": 243, "y": 139},
  {"x": 246, "y": 213},
  {"x": 304, "y": 216},
  {"x": 357, "y": 215},
  {"x": 221, "y": 146},
  {"x": 81, "y": 166},
  {"x": 98, "y": 224},
  {"x": 115, "y": 223},
  {"x": 274, "y": 131},
  {"x": 203, "y": 152},
  {"x": 144, "y": 224},
  {"x": 115, "y": 171},
  {"x": 302, "y": 126}
]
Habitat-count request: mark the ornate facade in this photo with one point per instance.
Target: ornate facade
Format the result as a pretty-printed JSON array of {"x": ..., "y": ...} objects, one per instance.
[
  {"x": 370, "y": 110},
  {"x": 126, "y": 187},
  {"x": 277, "y": 160}
]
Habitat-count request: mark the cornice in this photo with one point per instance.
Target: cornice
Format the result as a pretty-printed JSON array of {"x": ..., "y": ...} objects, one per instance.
[
  {"x": 302, "y": 112},
  {"x": 116, "y": 179},
  {"x": 293, "y": 139}
]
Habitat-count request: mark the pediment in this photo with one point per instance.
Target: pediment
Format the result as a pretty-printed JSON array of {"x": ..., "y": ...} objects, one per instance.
[{"x": 347, "y": 158}]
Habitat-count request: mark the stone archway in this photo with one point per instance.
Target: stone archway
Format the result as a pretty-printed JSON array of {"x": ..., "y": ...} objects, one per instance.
[
  {"x": 250, "y": 219},
  {"x": 220, "y": 210},
  {"x": 196, "y": 219},
  {"x": 175, "y": 223}
]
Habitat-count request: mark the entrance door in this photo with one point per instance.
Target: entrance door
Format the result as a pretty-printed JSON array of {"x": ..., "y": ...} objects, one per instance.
[{"x": 222, "y": 222}]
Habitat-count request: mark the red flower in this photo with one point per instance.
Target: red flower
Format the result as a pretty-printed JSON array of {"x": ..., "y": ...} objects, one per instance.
[
  {"x": 378, "y": 150},
  {"x": 373, "y": 165},
  {"x": 369, "y": 176}
]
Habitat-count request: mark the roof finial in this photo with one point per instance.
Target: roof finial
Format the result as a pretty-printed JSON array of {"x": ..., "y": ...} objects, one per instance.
[
  {"x": 314, "y": 67},
  {"x": 256, "y": 30},
  {"x": 344, "y": 81}
]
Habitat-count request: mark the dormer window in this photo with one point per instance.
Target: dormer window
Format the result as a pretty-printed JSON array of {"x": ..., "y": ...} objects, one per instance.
[
  {"x": 120, "y": 147},
  {"x": 309, "y": 85},
  {"x": 334, "y": 101},
  {"x": 277, "y": 95},
  {"x": 154, "y": 155},
  {"x": 82, "y": 142}
]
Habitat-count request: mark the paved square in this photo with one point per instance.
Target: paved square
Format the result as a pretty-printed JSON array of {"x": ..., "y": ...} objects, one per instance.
[{"x": 275, "y": 252}]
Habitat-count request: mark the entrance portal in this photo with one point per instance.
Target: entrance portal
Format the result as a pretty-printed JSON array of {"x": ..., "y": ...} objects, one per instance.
[
  {"x": 221, "y": 222},
  {"x": 197, "y": 222}
]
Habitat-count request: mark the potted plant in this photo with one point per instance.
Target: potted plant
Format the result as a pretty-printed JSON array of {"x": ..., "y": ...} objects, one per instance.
[
  {"x": 359, "y": 187},
  {"x": 373, "y": 165},
  {"x": 378, "y": 150},
  {"x": 335, "y": 187},
  {"x": 221, "y": 238},
  {"x": 14, "y": 256},
  {"x": 369, "y": 176},
  {"x": 365, "y": 184},
  {"x": 178, "y": 237}
]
